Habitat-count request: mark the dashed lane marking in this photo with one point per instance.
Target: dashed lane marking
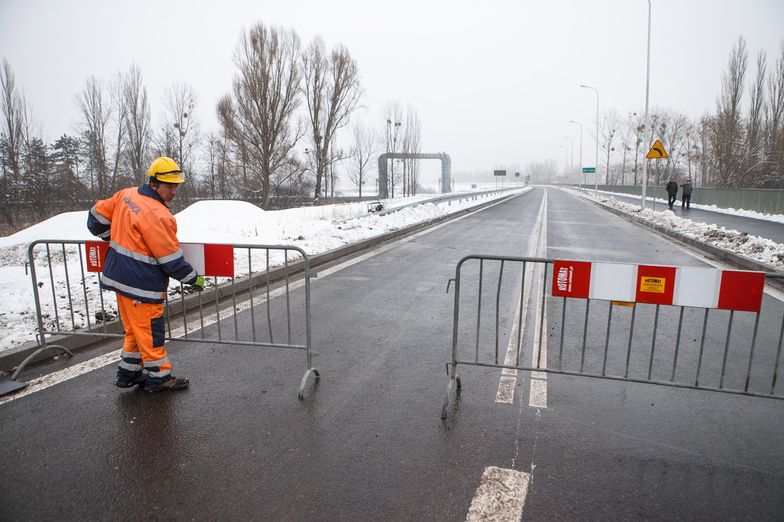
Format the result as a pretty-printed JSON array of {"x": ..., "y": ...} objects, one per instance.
[
  {"x": 508, "y": 380},
  {"x": 500, "y": 496}
]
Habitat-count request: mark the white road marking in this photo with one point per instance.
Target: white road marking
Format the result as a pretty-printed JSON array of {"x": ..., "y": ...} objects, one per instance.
[
  {"x": 508, "y": 380},
  {"x": 537, "y": 396},
  {"x": 537, "y": 392},
  {"x": 44, "y": 382},
  {"x": 500, "y": 496}
]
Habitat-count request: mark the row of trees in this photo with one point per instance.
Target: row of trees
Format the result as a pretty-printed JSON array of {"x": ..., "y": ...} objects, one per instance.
[
  {"x": 732, "y": 147},
  {"x": 280, "y": 140}
]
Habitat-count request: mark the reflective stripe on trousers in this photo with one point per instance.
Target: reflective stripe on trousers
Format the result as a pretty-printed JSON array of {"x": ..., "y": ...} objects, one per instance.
[{"x": 144, "y": 339}]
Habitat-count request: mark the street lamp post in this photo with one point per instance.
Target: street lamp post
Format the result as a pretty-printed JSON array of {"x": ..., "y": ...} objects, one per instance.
[
  {"x": 393, "y": 136},
  {"x": 581, "y": 145},
  {"x": 645, "y": 118},
  {"x": 596, "y": 157}
]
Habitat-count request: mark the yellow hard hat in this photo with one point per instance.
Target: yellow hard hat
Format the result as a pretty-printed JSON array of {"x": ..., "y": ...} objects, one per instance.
[{"x": 165, "y": 170}]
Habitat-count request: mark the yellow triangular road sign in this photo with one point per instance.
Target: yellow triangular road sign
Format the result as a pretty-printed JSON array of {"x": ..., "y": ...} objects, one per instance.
[{"x": 657, "y": 151}]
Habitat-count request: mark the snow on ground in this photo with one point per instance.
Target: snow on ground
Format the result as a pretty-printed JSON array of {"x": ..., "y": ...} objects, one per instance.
[
  {"x": 754, "y": 247},
  {"x": 314, "y": 229}
]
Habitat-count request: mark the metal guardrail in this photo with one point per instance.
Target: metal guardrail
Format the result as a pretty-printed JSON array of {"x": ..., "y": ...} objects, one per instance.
[
  {"x": 259, "y": 308},
  {"x": 440, "y": 199},
  {"x": 712, "y": 349}
]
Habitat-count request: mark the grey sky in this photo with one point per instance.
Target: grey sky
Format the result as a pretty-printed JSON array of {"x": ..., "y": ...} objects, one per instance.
[{"x": 495, "y": 83}]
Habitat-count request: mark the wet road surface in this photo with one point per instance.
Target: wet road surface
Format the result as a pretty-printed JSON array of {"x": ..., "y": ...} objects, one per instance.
[{"x": 367, "y": 442}]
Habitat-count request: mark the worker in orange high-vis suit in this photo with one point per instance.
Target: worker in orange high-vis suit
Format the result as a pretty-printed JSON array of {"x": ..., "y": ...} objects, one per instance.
[{"x": 143, "y": 254}]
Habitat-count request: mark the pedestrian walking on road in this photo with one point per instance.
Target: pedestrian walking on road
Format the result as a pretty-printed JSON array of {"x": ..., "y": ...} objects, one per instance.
[
  {"x": 143, "y": 254},
  {"x": 686, "y": 199},
  {"x": 672, "y": 192}
]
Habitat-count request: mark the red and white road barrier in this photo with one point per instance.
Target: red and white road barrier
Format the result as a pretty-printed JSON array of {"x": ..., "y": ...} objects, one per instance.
[
  {"x": 664, "y": 285},
  {"x": 206, "y": 260}
]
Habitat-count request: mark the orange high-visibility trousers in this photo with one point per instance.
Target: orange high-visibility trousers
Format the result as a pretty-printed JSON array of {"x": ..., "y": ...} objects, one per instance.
[{"x": 143, "y": 348}]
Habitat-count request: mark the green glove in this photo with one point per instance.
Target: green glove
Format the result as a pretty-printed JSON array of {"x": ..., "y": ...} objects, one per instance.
[{"x": 198, "y": 285}]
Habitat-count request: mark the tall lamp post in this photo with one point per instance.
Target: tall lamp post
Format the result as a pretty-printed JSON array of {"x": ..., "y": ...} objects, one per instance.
[
  {"x": 581, "y": 145},
  {"x": 596, "y": 157},
  {"x": 571, "y": 142},
  {"x": 645, "y": 118},
  {"x": 393, "y": 136}
]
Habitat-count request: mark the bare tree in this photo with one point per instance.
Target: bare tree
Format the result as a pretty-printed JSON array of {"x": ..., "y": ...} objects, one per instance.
[
  {"x": 754, "y": 143},
  {"x": 774, "y": 125},
  {"x": 362, "y": 152},
  {"x": 258, "y": 118},
  {"x": 393, "y": 115},
  {"x": 180, "y": 123},
  {"x": 672, "y": 129},
  {"x": 607, "y": 131},
  {"x": 412, "y": 138},
  {"x": 137, "y": 122},
  {"x": 13, "y": 107},
  {"x": 639, "y": 139},
  {"x": 118, "y": 128},
  {"x": 95, "y": 113},
  {"x": 332, "y": 93},
  {"x": 625, "y": 139},
  {"x": 178, "y": 137},
  {"x": 727, "y": 128},
  {"x": 542, "y": 171}
]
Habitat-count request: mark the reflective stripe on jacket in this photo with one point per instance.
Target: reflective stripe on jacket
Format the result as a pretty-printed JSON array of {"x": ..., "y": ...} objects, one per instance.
[{"x": 144, "y": 251}]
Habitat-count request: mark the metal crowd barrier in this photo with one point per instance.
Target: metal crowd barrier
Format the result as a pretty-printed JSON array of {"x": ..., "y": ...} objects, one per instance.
[
  {"x": 69, "y": 301},
  {"x": 726, "y": 347}
]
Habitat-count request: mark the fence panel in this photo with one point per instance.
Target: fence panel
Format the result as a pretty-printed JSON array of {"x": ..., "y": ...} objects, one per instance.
[
  {"x": 251, "y": 298},
  {"x": 685, "y": 327}
]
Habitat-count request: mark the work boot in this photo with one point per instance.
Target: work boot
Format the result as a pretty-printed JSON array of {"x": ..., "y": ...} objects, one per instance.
[
  {"x": 127, "y": 381},
  {"x": 175, "y": 383}
]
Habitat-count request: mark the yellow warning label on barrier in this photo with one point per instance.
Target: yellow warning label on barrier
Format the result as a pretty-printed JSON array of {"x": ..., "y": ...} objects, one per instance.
[
  {"x": 623, "y": 303},
  {"x": 653, "y": 285}
]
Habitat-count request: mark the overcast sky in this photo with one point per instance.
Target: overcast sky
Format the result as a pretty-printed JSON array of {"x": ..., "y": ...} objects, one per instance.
[{"x": 495, "y": 83}]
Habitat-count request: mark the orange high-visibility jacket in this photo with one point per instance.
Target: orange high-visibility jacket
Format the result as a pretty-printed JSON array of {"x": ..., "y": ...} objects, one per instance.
[{"x": 143, "y": 250}]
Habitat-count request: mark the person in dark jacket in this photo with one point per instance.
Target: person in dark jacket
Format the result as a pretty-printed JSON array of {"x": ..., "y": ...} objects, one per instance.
[
  {"x": 672, "y": 192},
  {"x": 686, "y": 201},
  {"x": 143, "y": 254}
]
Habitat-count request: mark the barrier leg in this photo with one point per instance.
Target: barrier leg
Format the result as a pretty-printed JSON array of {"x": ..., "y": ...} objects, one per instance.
[
  {"x": 311, "y": 371},
  {"x": 35, "y": 354},
  {"x": 454, "y": 385}
]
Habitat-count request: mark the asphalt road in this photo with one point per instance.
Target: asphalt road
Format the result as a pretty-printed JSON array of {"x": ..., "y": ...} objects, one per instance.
[{"x": 367, "y": 442}]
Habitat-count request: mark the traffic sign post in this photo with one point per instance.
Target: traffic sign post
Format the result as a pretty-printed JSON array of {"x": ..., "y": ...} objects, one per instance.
[
  {"x": 588, "y": 170},
  {"x": 501, "y": 174},
  {"x": 657, "y": 151}
]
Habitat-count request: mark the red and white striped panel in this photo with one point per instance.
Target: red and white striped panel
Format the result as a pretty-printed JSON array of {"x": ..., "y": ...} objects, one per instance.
[
  {"x": 210, "y": 260},
  {"x": 666, "y": 285},
  {"x": 207, "y": 260}
]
